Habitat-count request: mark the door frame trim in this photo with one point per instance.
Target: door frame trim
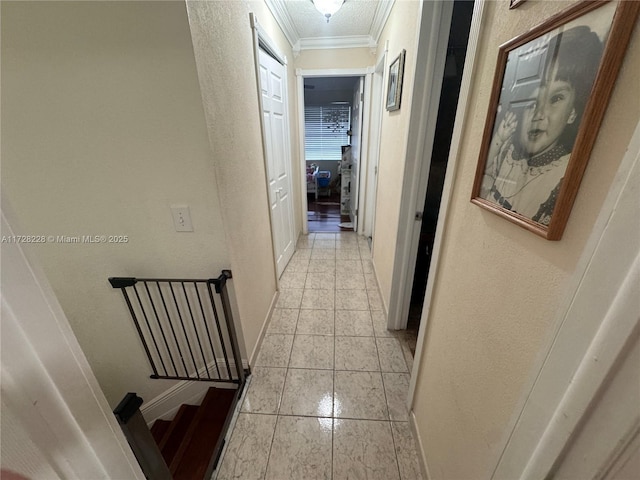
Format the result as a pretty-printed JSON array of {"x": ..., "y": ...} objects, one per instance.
[
  {"x": 432, "y": 42},
  {"x": 570, "y": 368},
  {"x": 373, "y": 159},
  {"x": 265, "y": 41},
  {"x": 261, "y": 40},
  {"x": 464, "y": 101},
  {"x": 61, "y": 402},
  {"x": 365, "y": 135},
  {"x": 367, "y": 73}
]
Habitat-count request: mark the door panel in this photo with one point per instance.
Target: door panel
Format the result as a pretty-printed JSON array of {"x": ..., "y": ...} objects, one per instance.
[
  {"x": 279, "y": 154},
  {"x": 371, "y": 182},
  {"x": 278, "y": 158}
]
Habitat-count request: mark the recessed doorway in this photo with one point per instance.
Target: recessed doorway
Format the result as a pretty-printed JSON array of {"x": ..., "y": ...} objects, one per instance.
[
  {"x": 451, "y": 84},
  {"x": 332, "y": 126}
]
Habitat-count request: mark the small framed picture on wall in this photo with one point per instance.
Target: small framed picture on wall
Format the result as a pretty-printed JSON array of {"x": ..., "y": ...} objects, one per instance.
[{"x": 396, "y": 73}]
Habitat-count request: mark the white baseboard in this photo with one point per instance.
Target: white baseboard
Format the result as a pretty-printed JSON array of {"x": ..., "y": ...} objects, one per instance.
[
  {"x": 263, "y": 330},
  {"x": 422, "y": 459},
  {"x": 166, "y": 405}
]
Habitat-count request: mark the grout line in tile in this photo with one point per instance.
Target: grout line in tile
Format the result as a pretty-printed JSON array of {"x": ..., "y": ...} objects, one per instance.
[
  {"x": 384, "y": 389},
  {"x": 286, "y": 373},
  {"x": 366, "y": 419},
  {"x": 273, "y": 437},
  {"x": 382, "y": 379},
  {"x": 333, "y": 417},
  {"x": 333, "y": 392},
  {"x": 314, "y": 368},
  {"x": 395, "y": 451},
  {"x": 280, "y": 415}
]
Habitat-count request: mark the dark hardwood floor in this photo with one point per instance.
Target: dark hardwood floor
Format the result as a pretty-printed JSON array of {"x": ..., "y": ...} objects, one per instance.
[{"x": 324, "y": 214}]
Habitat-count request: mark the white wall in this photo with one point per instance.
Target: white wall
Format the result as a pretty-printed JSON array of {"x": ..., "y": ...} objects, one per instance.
[
  {"x": 499, "y": 287},
  {"x": 103, "y": 129}
]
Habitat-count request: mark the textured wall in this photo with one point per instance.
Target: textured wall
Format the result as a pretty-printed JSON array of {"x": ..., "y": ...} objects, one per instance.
[
  {"x": 230, "y": 95},
  {"x": 498, "y": 287},
  {"x": 102, "y": 129}
]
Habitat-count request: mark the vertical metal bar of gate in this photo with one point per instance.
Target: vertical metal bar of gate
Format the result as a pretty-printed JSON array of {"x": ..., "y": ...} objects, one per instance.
[
  {"x": 221, "y": 289},
  {"x": 176, "y": 332}
]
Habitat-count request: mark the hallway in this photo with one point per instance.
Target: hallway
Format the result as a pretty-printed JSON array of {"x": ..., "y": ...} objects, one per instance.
[{"x": 327, "y": 395}]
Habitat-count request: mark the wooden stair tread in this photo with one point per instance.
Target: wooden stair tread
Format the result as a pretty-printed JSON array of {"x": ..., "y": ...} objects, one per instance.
[
  {"x": 170, "y": 443},
  {"x": 194, "y": 455},
  {"x": 159, "y": 428}
]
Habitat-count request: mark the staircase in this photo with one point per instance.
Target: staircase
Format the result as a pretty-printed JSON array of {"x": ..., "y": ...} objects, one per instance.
[
  {"x": 186, "y": 329},
  {"x": 191, "y": 443}
]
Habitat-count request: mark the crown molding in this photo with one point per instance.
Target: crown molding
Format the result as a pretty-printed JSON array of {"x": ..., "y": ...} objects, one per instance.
[
  {"x": 284, "y": 20},
  {"x": 380, "y": 18},
  {"x": 354, "y": 41}
]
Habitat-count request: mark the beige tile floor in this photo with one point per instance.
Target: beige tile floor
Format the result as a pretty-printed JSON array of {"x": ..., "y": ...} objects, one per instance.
[{"x": 327, "y": 395}]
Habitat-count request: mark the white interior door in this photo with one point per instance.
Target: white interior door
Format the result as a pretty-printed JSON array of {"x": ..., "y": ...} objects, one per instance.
[
  {"x": 356, "y": 143},
  {"x": 274, "y": 114},
  {"x": 377, "y": 99}
]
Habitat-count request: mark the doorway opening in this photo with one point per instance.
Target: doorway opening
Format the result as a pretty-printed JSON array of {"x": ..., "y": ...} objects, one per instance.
[
  {"x": 452, "y": 79},
  {"x": 332, "y": 121}
]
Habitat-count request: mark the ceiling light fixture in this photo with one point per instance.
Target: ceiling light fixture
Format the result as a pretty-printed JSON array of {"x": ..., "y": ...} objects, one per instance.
[{"x": 327, "y": 7}]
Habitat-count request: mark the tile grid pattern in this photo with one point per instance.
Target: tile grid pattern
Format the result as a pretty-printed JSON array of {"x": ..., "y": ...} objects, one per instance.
[{"x": 327, "y": 397}]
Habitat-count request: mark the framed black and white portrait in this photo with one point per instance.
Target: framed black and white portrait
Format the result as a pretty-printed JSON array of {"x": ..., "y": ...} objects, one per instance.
[{"x": 551, "y": 89}]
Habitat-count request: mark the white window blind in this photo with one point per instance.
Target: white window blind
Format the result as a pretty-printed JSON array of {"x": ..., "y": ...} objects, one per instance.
[{"x": 325, "y": 131}]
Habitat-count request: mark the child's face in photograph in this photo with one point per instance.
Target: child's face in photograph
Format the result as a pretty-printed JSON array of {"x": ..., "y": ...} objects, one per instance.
[{"x": 546, "y": 118}]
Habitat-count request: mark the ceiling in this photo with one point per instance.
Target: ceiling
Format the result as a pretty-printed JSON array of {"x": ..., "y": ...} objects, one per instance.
[{"x": 358, "y": 23}]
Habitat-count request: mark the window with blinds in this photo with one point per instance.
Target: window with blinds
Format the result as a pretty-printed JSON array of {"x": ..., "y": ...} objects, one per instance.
[{"x": 325, "y": 131}]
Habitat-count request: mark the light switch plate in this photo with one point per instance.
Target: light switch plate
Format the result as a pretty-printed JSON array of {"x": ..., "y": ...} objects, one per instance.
[{"x": 181, "y": 218}]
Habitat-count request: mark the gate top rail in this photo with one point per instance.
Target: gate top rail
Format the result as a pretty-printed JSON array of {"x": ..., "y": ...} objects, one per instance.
[
  {"x": 177, "y": 321},
  {"x": 219, "y": 282}
]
